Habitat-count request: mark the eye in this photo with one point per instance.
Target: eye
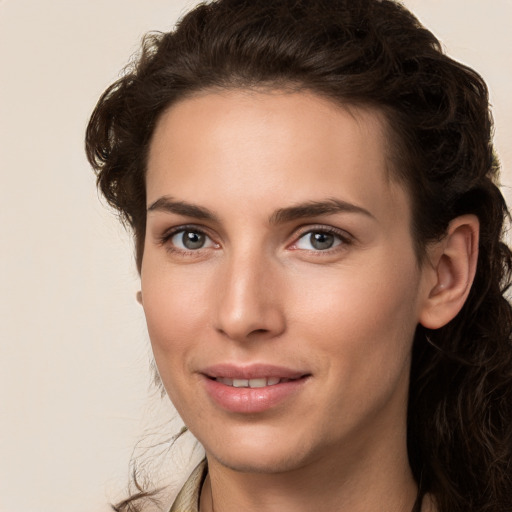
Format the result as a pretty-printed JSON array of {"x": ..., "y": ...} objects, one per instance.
[
  {"x": 319, "y": 240},
  {"x": 190, "y": 240}
]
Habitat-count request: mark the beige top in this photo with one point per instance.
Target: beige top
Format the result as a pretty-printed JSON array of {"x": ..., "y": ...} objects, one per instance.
[{"x": 188, "y": 498}]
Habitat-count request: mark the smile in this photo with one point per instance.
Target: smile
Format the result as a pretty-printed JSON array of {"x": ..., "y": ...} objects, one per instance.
[
  {"x": 251, "y": 383},
  {"x": 254, "y": 389}
]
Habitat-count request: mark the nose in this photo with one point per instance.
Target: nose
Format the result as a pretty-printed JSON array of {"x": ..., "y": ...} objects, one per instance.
[{"x": 249, "y": 300}]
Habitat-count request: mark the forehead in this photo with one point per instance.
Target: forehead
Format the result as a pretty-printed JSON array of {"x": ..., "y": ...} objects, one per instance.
[{"x": 250, "y": 146}]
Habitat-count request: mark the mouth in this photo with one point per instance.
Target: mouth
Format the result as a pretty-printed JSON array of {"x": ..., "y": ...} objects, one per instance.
[
  {"x": 252, "y": 376},
  {"x": 252, "y": 383},
  {"x": 253, "y": 389}
]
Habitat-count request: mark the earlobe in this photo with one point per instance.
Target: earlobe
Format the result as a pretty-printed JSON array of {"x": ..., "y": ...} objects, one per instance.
[
  {"x": 138, "y": 296},
  {"x": 453, "y": 269}
]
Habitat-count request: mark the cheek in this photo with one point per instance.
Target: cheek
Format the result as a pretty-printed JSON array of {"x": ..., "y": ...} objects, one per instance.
[
  {"x": 363, "y": 320},
  {"x": 172, "y": 320},
  {"x": 175, "y": 310},
  {"x": 360, "y": 332}
]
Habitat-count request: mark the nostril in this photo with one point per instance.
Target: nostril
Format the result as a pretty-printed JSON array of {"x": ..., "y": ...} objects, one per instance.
[{"x": 259, "y": 331}]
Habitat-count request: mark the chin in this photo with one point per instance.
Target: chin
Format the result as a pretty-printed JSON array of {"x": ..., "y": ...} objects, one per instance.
[
  {"x": 259, "y": 463},
  {"x": 260, "y": 452}
]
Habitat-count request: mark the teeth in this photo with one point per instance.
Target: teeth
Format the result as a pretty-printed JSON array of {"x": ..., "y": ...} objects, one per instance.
[
  {"x": 258, "y": 383},
  {"x": 251, "y": 383}
]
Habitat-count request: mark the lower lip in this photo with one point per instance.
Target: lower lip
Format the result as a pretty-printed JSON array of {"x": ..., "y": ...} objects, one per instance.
[{"x": 251, "y": 400}]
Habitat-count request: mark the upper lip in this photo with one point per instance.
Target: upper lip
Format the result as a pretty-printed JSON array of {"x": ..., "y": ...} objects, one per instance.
[{"x": 253, "y": 371}]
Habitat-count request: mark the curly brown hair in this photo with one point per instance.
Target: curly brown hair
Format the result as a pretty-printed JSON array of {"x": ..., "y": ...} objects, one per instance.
[{"x": 373, "y": 53}]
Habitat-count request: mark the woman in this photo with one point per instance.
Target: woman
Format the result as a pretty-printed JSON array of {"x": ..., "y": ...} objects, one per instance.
[{"x": 312, "y": 190}]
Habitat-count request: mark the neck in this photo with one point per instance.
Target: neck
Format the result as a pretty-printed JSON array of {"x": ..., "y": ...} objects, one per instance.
[{"x": 374, "y": 481}]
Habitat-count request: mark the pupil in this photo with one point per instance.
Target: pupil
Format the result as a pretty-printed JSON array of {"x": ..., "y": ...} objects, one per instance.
[
  {"x": 321, "y": 241},
  {"x": 193, "y": 240}
]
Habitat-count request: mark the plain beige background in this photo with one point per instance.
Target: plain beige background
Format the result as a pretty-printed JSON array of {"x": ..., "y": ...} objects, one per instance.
[{"x": 74, "y": 354}]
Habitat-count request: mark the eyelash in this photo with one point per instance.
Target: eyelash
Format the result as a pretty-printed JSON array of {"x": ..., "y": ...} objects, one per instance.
[
  {"x": 169, "y": 234},
  {"x": 343, "y": 238}
]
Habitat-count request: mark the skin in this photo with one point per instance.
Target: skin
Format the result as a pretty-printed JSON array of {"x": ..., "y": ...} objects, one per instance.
[{"x": 258, "y": 291}]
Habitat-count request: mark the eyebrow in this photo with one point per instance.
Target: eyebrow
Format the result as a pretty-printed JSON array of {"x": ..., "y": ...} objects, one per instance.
[
  {"x": 316, "y": 208},
  {"x": 282, "y": 215},
  {"x": 167, "y": 204}
]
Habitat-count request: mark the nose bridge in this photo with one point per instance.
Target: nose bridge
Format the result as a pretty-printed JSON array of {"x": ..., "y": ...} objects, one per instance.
[{"x": 248, "y": 303}]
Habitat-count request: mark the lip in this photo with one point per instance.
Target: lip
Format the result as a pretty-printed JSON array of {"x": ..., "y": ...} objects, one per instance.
[
  {"x": 252, "y": 400},
  {"x": 253, "y": 371}
]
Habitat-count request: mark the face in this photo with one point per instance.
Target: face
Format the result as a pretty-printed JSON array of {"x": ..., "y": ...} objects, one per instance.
[{"x": 279, "y": 278}]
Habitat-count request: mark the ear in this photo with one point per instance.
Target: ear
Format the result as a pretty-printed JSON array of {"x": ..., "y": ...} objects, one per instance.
[
  {"x": 451, "y": 271},
  {"x": 138, "y": 296}
]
